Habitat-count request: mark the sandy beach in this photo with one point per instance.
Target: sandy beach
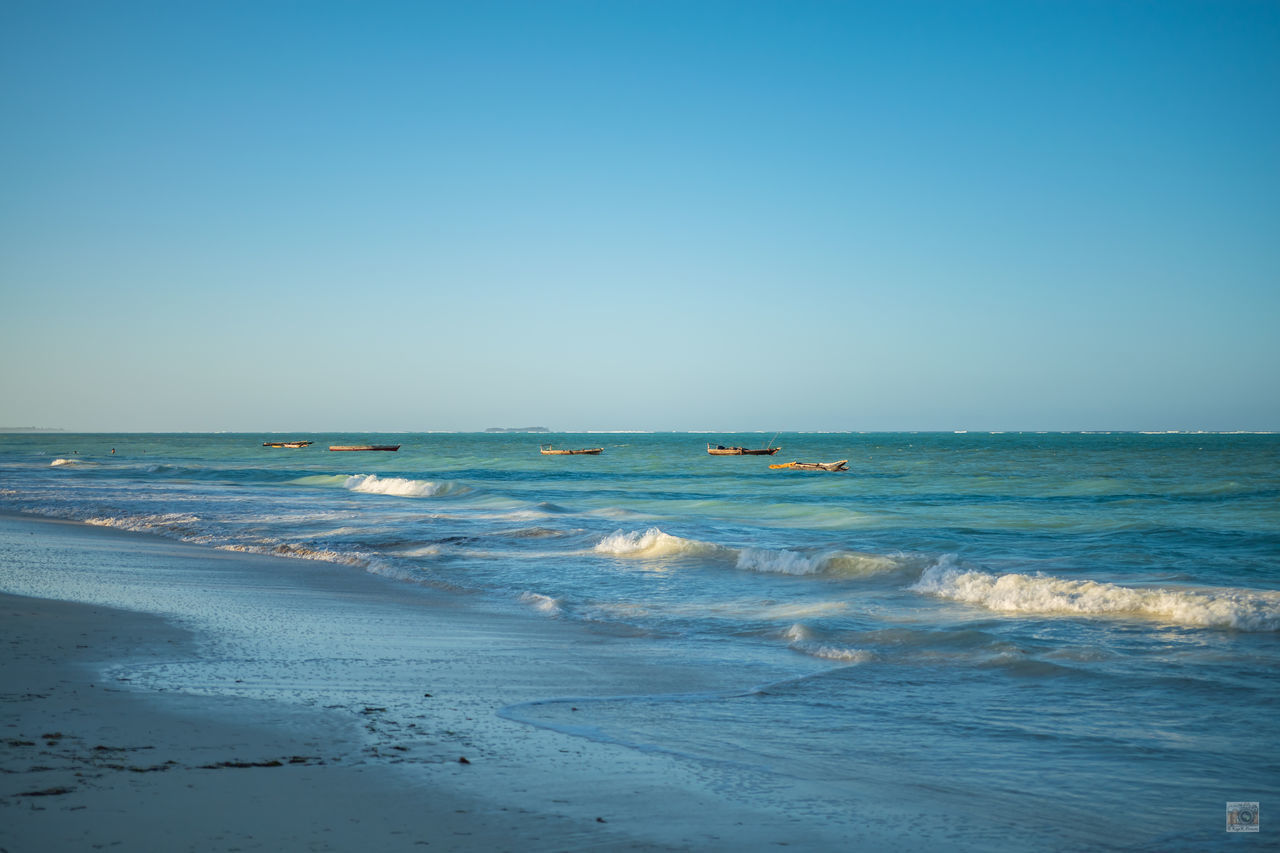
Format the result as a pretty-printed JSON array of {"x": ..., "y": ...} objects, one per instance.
[
  {"x": 91, "y": 758},
  {"x": 91, "y": 765}
]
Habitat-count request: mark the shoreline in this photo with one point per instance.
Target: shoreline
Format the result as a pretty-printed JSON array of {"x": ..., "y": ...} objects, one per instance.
[
  {"x": 87, "y": 764},
  {"x": 210, "y": 766},
  {"x": 87, "y": 761}
]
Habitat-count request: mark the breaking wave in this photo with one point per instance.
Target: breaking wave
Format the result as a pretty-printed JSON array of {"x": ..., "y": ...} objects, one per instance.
[
  {"x": 298, "y": 552},
  {"x": 655, "y": 543},
  {"x": 1240, "y": 609},
  {"x": 401, "y": 487},
  {"x": 800, "y": 639},
  {"x": 842, "y": 563},
  {"x": 187, "y": 527},
  {"x": 542, "y": 603},
  {"x": 181, "y": 524}
]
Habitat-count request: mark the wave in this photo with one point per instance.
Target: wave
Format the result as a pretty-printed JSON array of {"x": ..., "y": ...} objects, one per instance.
[
  {"x": 187, "y": 527},
  {"x": 62, "y": 463},
  {"x": 541, "y": 603},
  {"x": 1223, "y": 607},
  {"x": 654, "y": 542},
  {"x": 420, "y": 552},
  {"x": 298, "y": 552},
  {"x": 532, "y": 533},
  {"x": 800, "y": 639},
  {"x": 777, "y": 562},
  {"x": 840, "y": 563},
  {"x": 184, "y": 525},
  {"x": 372, "y": 484}
]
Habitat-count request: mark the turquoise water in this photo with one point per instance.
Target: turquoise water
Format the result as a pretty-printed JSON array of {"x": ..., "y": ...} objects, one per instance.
[{"x": 1076, "y": 636}]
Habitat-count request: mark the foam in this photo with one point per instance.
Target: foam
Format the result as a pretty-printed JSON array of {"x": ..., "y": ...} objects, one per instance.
[
  {"x": 801, "y": 640},
  {"x": 180, "y": 523},
  {"x": 400, "y": 487},
  {"x": 836, "y": 653},
  {"x": 298, "y": 552},
  {"x": 1219, "y": 607},
  {"x": 653, "y": 543},
  {"x": 189, "y": 528},
  {"x": 541, "y": 603}
]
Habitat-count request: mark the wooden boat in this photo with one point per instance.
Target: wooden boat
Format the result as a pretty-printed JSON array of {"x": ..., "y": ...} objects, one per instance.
[
  {"x": 721, "y": 450},
  {"x": 285, "y": 443},
  {"x": 364, "y": 447},
  {"x": 842, "y": 465},
  {"x": 548, "y": 450}
]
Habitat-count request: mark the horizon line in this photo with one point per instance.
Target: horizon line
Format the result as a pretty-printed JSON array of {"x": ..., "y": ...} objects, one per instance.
[{"x": 490, "y": 431}]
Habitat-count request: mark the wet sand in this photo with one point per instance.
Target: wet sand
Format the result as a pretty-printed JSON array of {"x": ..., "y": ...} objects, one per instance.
[{"x": 93, "y": 756}]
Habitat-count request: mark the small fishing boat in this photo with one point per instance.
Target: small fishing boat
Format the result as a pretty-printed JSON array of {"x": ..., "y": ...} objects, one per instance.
[
  {"x": 285, "y": 443},
  {"x": 548, "y": 450},
  {"x": 721, "y": 450},
  {"x": 842, "y": 465},
  {"x": 364, "y": 447}
]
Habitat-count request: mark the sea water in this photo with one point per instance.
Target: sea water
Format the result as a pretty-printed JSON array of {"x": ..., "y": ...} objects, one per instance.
[{"x": 1076, "y": 636}]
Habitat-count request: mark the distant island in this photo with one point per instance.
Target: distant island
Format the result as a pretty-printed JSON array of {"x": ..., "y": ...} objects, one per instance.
[{"x": 517, "y": 429}]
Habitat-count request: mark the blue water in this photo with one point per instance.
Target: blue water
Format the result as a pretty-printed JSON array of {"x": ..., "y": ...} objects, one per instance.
[{"x": 1079, "y": 634}]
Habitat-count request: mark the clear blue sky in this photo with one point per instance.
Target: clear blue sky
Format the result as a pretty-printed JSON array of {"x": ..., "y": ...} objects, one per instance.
[{"x": 654, "y": 215}]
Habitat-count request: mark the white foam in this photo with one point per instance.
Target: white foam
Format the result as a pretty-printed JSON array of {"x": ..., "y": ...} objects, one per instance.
[
  {"x": 800, "y": 639},
  {"x": 1220, "y": 607},
  {"x": 180, "y": 523},
  {"x": 298, "y": 552},
  {"x": 836, "y": 653},
  {"x": 652, "y": 543},
  {"x": 541, "y": 603},
  {"x": 798, "y": 633},
  {"x": 399, "y": 486}
]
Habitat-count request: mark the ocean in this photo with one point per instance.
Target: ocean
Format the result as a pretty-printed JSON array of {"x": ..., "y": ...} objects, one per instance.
[{"x": 1050, "y": 641}]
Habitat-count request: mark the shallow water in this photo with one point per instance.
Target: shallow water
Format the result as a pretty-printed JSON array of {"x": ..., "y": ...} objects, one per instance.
[{"x": 1052, "y": 632}]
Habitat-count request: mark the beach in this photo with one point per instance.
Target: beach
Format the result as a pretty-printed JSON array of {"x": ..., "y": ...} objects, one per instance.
[
  {"x": 89, "y": 764},
  {"x": 902, "y": 475},
  {"x": 89, "y": 760},
  {"x": 965, "y": 642}
]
